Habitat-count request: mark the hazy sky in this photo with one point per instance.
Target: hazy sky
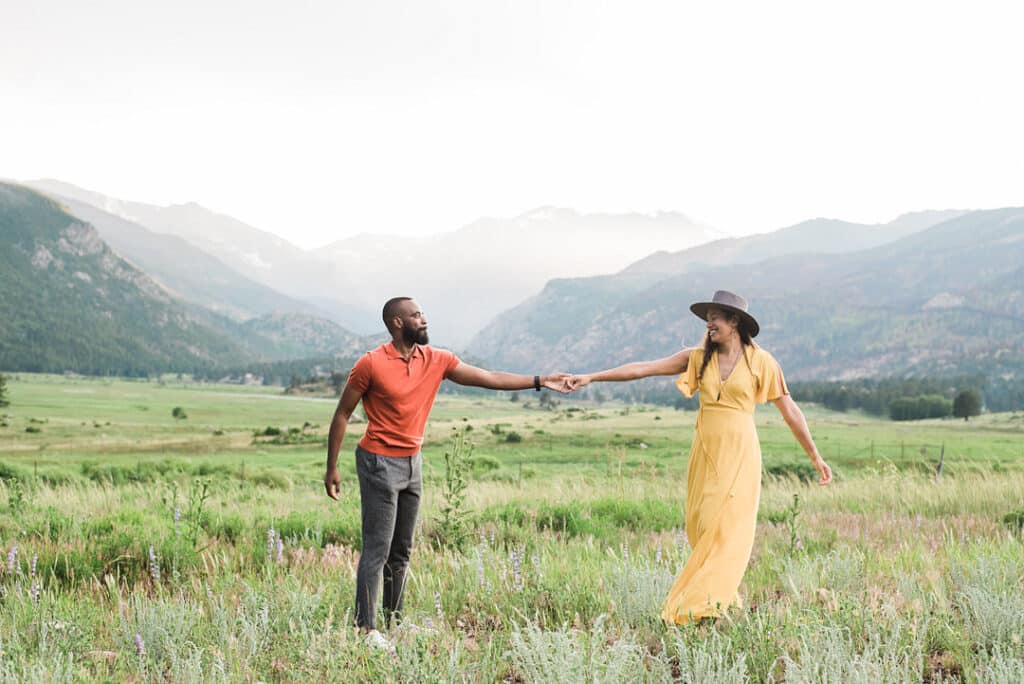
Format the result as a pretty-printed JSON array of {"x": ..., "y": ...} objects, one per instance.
[{"x": 322, "y": 119}]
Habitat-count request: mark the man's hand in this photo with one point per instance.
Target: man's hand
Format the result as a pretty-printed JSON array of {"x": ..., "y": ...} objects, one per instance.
[
  {"x": 559, "y": 382},
  {"x": 332, "y": 483}
]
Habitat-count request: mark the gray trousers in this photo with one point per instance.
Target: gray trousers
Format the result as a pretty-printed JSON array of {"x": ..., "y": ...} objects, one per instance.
[{"x": 389, "y": 488}]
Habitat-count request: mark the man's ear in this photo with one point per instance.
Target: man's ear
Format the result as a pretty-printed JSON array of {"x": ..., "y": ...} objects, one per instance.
[{"x": 397, "y": 323}]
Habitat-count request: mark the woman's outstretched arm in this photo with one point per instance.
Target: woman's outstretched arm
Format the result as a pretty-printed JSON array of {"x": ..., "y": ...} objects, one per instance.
[
  {"x": 794, "y": 418},
  {"x": 670, "y": 365}
]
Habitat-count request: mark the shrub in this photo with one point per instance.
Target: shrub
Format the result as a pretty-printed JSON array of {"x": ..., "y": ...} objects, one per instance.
[
  {"x": 513, "y": 437},
  {"x": 484, "y": 464},
  {"x": 919, "y": 408},
  {"x": 570, "y": 655},
  {"x": 801, "y": 470},
  {"x": 342, "y": 529},
  {"x": 273, "y": 479},
  {"x": 269, "y": 431},
  {"x": 601, "y": 518},
  {"x": 1014, "y": 519}
]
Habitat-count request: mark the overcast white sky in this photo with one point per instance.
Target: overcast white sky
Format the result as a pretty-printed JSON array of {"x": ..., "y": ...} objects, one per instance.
[{"x": 321, "y": 119}]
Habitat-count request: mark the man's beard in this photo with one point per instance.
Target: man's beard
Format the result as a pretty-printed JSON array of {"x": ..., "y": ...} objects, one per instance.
[{"x": 411, "y": 337}]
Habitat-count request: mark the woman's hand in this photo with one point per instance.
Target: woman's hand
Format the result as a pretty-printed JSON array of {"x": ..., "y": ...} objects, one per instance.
[
  {"x": 575, "y": 382},
  {"x": 823, "y": 470}
]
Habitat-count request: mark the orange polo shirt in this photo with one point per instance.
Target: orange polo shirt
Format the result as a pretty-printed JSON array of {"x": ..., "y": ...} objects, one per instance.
[{"x": 398, "y": 395}]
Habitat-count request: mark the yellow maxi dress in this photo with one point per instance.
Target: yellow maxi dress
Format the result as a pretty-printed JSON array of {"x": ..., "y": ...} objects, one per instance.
[{"x": 723, "y": 482}]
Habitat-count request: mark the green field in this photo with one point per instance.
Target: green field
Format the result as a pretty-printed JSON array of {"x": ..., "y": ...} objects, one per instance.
[{"x": 573, "y": 522}]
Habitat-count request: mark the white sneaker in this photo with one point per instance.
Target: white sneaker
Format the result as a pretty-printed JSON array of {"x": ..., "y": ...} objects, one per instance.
[{"x": 377, "y": 641}]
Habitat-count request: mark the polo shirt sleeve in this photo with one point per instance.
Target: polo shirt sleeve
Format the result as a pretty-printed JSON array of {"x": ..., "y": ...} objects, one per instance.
[
  {"x": 359, "y": 377},
  {"x": 450, "y": 361}
]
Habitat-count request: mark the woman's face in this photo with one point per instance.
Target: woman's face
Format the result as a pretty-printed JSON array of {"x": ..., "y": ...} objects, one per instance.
[{"x": 721, "y": 325}]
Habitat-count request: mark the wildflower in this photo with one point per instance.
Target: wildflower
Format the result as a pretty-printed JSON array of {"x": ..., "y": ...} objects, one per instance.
[
  {"x": 154, "y": 565},
  {"x": 437, "y": 605},
  {"x": 33, "y": 590},
  {"x": 657, "y": 555},
  {"x": 177, "y": 521},
  {"x": 517, "y": 579},
  {"x": 280, "y": 549},
  {"x": 625, "y": 552},
  {"x": 140, "y": 646},
  {"x": 271, "y": 538},
  {"x": 480, "y": 569},
  {"x": 12, "y": 558}
]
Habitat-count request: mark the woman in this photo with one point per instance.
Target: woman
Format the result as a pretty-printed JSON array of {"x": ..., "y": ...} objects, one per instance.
[{"x": 724, "y": 473}]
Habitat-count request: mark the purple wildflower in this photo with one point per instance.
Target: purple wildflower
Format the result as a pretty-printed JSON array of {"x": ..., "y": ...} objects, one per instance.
[
  {"x": 437, "y": 605},
  {"x": 33, "y": 590},
  {"x": 177, "y": 521},
  {"x": 271, "y": 545},
  {"x": 12, "y": 558},
  {"x": 517, "y": 579},
  {"x": 154, "y": 565},
  {"x": 280, "y": 549},
  {"x": 140, "y": 646}
]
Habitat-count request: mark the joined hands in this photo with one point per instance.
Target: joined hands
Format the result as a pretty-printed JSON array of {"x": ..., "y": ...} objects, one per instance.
[{"x": 565, "y": 383}]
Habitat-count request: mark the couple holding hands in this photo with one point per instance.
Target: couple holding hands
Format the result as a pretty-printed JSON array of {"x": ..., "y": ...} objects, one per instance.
[{"x": 398, "y": 381}]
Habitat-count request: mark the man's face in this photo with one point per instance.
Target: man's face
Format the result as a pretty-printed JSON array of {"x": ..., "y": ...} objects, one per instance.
[{"x": 414, "y": 323}]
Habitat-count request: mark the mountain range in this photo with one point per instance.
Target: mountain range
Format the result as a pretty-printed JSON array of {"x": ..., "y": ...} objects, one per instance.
[
  {"x": 100, "y": 285},
  {"x": 72, "y": 303},
  {"x": 945, "y": 296},
  {"x": 461, "y": 278}
]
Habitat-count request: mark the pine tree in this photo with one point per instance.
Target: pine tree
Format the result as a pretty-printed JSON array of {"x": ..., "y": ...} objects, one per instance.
[{"x": 3, "y": 391}]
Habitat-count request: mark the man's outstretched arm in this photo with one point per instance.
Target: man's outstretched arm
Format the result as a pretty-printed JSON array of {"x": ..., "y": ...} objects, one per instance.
[
  {"x": 350, "y": 397},
  {"x": 464, "y": 374}
]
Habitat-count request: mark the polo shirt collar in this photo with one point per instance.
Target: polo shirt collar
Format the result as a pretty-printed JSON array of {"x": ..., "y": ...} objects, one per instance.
[{"x": 392, "y": 353}]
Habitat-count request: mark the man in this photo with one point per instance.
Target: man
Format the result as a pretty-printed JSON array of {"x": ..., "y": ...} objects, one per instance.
[{"x": 397, "y": 383}]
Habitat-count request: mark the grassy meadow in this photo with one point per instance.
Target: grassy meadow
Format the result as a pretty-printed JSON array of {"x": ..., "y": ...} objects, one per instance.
[{"x": 143, "y": 547}]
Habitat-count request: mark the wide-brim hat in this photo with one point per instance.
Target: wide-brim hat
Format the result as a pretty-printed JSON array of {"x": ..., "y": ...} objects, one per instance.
[{"x": 727, "y": 301}]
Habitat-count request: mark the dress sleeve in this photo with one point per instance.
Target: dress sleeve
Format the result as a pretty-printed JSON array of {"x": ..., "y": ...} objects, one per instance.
[
  {"x": 687, "y": 382},
  {"x": 771, "y": 383},
  {"x": 359, "y": 376}
]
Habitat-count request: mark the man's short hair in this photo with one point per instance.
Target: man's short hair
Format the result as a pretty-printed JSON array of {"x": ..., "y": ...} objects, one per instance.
[{"x": 391, "y": 309}]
